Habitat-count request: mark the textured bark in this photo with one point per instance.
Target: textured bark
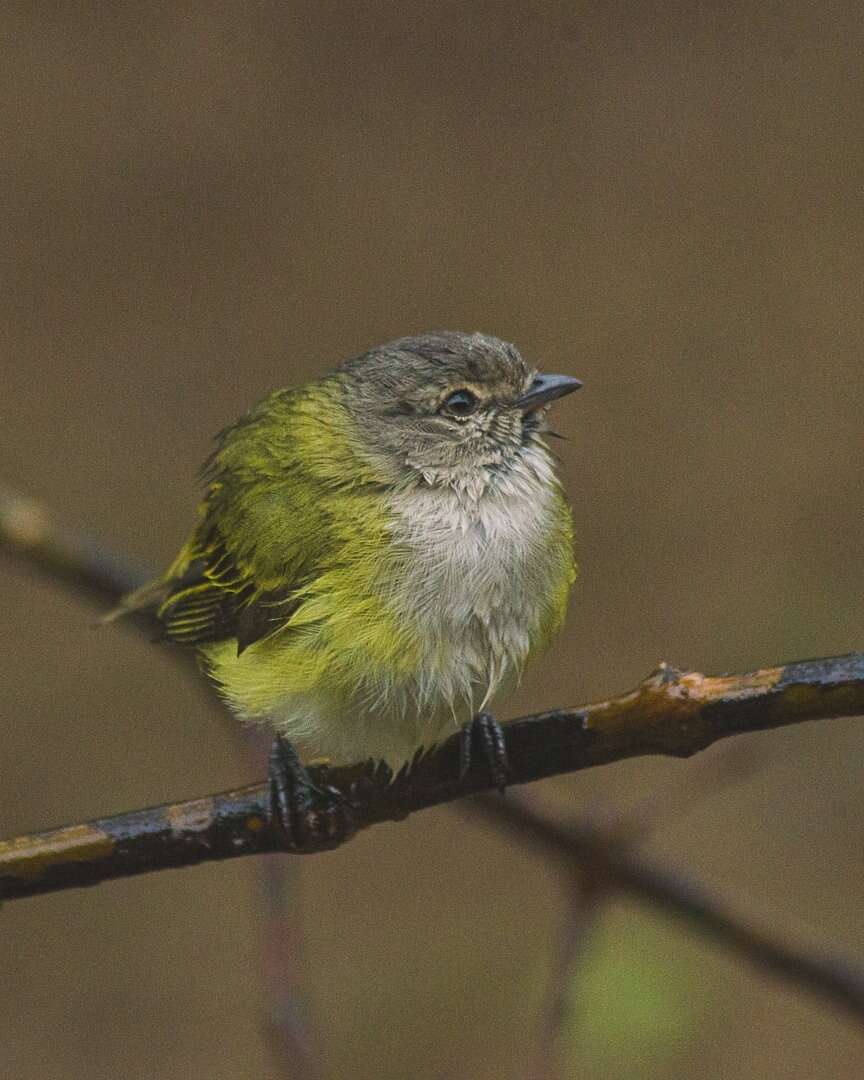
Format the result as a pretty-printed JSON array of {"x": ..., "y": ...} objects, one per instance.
[{"x": 671, "y": 712}]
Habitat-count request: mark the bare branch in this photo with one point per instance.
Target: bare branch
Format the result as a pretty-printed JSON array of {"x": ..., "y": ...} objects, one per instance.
[
  {"x": 672, "y": 712},
  {"x": 752, "y": 936},
  {"x": 588, "y": 886},
  {"x": 586, "y": 900},
  {"x": 669, "y": 713},
  {"x": 30, "y": 532}
]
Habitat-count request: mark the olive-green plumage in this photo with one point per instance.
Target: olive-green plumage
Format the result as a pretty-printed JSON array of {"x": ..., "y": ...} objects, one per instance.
[{"x": 379, "y": 551}]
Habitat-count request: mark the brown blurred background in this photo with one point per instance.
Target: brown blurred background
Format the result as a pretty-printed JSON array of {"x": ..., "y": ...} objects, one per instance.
[{"x": 203, "y": 201}]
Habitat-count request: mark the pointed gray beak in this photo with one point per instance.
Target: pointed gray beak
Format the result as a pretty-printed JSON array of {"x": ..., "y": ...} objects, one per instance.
[{"x": 546, "y": 388}]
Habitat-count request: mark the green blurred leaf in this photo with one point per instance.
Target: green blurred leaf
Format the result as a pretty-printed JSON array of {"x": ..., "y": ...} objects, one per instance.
[{"x": 635, "y": 1002}]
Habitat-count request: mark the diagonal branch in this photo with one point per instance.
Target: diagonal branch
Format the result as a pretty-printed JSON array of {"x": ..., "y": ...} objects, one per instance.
[
  {"x": 29, "y": 531},
  {"x": 753, "y": 936},
  {"x": 672, "y": 712}
]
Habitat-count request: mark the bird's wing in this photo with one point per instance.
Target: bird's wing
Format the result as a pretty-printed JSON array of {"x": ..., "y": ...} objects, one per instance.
[
  {"x": 262, "y": 534},
  {"x": 210, "y": 594}
]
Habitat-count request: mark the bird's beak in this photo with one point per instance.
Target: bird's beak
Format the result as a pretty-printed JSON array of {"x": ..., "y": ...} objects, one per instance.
[{"x": 546, "y": 388}]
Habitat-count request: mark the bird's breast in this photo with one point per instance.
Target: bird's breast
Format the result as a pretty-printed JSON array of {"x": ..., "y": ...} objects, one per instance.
[{"x": 471, "y": 577}]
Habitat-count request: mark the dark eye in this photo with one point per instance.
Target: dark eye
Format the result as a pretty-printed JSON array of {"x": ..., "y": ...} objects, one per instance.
[{"x": 460, "y": 403}]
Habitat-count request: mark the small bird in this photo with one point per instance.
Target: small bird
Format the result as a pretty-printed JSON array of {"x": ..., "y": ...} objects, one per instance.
[{"x": 377, "y": 554}]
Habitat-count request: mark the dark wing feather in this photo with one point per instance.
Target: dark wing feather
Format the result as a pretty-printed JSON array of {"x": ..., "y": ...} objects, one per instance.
[{"x": 213, "y": 599}]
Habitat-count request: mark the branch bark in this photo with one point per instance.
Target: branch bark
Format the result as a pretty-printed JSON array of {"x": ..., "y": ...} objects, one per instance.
[{"x": 672, "y": 712}]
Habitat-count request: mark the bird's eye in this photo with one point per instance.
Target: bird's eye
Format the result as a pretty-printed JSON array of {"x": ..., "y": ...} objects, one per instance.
[{"x": 460, "y": 403}]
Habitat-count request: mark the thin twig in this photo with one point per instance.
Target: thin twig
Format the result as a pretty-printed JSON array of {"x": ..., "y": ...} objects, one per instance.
[
  {"x": 586, "y": 899},
  {"x": 29, "y": 531},
  {"x": 751, "y": 935},
  {"x": 587, "y": 891},
  {"x": 289, "y": 1026}
]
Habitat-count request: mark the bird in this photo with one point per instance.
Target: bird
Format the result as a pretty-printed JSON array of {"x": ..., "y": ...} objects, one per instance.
[{"x": 377, "y": 555}]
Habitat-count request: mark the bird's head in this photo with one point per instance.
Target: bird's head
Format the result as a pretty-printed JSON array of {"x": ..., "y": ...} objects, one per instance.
[{"x": 448, "y": 408}]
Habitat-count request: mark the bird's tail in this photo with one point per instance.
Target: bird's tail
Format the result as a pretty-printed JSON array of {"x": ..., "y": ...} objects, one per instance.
[{"x": 147, "y": 598}]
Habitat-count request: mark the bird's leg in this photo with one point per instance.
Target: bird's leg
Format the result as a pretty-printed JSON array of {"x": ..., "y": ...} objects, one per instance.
[
  {"x": 308, "y": 816},
  {"x": 485, "y": 734}
]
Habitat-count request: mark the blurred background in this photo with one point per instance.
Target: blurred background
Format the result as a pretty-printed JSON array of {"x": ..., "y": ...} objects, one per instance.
[{"x": 203, "y": 201}]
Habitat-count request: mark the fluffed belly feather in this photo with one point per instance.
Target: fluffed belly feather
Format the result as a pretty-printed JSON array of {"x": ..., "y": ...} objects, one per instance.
[{"x": 469, "y": 590}]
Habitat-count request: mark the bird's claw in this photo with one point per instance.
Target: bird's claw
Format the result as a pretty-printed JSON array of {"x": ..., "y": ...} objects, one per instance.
[
  {"x": 486, "y": 734},
  {"x": 308, "y": 816}
]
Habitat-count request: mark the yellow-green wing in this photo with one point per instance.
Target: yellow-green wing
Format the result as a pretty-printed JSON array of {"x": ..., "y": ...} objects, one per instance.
[
  {"x": 214, "y": 599},
  {"x": 264, "y": 529}
]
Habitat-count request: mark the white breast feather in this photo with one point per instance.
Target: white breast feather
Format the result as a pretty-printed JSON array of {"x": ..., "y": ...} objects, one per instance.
[{"x": 473, "y": 582}]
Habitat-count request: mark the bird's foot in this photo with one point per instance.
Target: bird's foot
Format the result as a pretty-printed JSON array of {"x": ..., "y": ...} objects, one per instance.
[
  {"x": 308, "y": 816},
  {"x": 485, "y": 735}
]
